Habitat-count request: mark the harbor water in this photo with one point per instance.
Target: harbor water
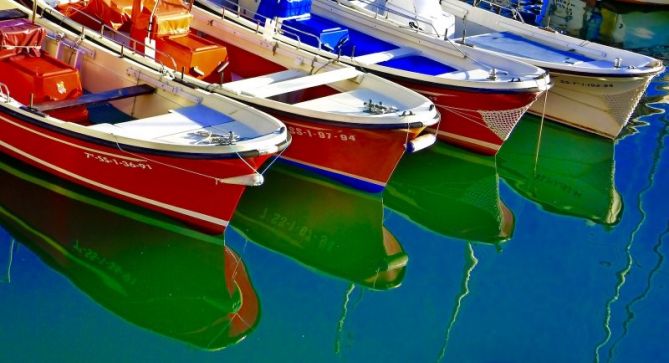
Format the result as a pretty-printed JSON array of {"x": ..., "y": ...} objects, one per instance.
[{"x": 553, "y": 251}]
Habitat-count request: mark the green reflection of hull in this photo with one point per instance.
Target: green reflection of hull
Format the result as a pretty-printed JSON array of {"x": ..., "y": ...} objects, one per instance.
[
  {"x": 571, "y": 175},
  {"x": 451, "y": 192},
  {"x": 326, "y": 226},
  {"x": 149, "y": 271}
]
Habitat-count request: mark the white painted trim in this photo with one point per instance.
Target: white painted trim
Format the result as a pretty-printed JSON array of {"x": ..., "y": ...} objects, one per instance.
[
  {"x": 186, "y": 212},
  {"x": 2, "y": 117}
]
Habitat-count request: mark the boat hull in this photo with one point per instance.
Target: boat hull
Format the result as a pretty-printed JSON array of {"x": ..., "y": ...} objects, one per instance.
[
  {"x": 600, "y": 105},
  {"x": 477, "y": 120},
  {"x": 117, "y": 255},
  {"x": 364, "y": 158},
  {"x": 189, "y": 189}
]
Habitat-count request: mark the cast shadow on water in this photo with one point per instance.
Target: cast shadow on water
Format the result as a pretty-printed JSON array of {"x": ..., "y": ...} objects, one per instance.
[{"x": 138, "y": 265}]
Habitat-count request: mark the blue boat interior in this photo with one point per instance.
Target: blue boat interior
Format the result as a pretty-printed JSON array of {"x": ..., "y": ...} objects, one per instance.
[
  {"x": 416, "y": 63},
  {"x": 327, "y": 34}
]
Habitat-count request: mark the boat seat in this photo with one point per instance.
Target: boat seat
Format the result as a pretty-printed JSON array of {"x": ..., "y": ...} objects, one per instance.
[
  {"x": 305, "y": 82},
  {"x": 346, "y": 103},
  {"x": 247, "y": 84},
  {"x": 100, "y": 97},
  {"x": 180, "y": 126},
  {"x": 385, "y": 55}
]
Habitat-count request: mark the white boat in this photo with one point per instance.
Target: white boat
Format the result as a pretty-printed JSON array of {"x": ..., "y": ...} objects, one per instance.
[
  {"x": 596, "y": 87},
  {"x": 184, "y": 152},
  {"x": 349, "y": 125},
  {"x": 480, "y": 95}
]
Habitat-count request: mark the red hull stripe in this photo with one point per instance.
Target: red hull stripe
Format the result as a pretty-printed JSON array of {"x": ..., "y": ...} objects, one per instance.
[
  {"x": 182, "y": 211},
  {"x": 66, "y": 142}
]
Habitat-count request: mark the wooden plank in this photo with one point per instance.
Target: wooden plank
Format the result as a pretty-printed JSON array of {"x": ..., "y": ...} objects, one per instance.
[
  {"x": 304, "y": 82},
  {"x": 91, "y": 98},
  {"x": 265, "y": 80}
]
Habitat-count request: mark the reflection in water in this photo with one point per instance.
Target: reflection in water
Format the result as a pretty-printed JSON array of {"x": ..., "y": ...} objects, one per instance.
[
  {"x": 629, "y": 308},
  {"x": 637, "y": 28},
  {"x": 342, "y": 320},
  {"x": 6, "y": 259},
  {"x": 335, "y": 229},
  {"x": 451, "y": 192},
  {"x": 626, "y": 270},
  {"x": 471, "y": 262},
  {"x": 571, "y": 173},
  {"x": 147, "y": 270}
]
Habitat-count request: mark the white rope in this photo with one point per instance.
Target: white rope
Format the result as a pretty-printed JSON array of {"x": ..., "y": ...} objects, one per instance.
[
  {"x": 274, "y": 159},
  {"x": 458, "y": 111},
  {"x": 541, "y": 130},
  {"x": 406, "y": 138}
]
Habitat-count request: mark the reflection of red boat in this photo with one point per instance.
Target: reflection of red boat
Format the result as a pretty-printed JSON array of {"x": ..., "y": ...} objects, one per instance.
[
  {"x": 160, "y": 135},
  {"x": 326, "y": 226},
  {"x": 453, "y": 193},
  {"x": 147, "y": 270},
  {"x": 341, "y": 119}
]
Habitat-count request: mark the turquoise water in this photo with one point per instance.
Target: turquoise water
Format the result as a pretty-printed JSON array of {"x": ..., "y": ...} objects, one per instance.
[{"x": 552, "y": 252}]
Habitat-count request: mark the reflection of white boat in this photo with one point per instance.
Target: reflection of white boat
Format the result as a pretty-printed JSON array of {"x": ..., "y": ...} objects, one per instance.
[{"x": 596, "y": 87}]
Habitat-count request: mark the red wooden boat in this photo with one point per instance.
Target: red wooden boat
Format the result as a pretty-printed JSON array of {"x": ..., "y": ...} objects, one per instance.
[
  {"x": 346, "y": 124},
  {"x": 185, "y": 153},
  {"x": 148, "y": 270},
  {"x": 480, "y": 95}
]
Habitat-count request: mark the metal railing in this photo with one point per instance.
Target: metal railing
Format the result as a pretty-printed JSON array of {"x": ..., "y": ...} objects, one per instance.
[
  {"x": 384, "y": 12},
  {"x": 130, "y": 42},
  {"x": 260, "y": 20},
  {"x": 499, "y": 6}
]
